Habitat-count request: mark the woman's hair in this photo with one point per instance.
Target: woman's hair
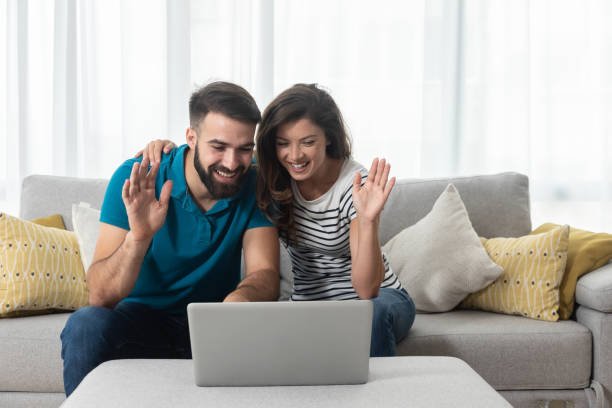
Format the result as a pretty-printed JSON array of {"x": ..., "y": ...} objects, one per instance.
[{"x": 301, "y": 101}]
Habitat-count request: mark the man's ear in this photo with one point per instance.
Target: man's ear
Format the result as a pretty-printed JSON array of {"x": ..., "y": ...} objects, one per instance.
[{"x": 192, "y": 137}]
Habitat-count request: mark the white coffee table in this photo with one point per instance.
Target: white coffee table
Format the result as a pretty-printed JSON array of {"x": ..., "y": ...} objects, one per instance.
[{"x": 393, "y": 382}]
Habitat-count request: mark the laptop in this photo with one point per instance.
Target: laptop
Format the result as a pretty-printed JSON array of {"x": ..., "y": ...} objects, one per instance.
[{"x": 280, "y": 343}]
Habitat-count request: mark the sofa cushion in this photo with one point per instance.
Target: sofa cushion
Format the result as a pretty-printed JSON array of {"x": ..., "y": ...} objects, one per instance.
[
  {"x": 509, "y": 352},
  {"x": 498, "y": 205},
  {"x": 32, "y": 399},
  {"x": 533, "y": 269},
  {"x": 30, "y": 350},
  {"x": 440, "y": 259}
]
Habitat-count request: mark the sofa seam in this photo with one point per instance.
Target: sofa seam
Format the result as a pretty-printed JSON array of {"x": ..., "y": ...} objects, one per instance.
[
  {"x": 500, "y": 334},
  {"x": 545, "y": 387}
]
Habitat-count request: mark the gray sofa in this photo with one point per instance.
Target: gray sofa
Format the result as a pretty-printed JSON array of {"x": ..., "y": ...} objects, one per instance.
[{"x": 532, "y": 363}]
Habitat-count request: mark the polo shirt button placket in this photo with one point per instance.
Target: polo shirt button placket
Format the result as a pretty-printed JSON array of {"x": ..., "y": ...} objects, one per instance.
[{"x": 204, "y": 230}]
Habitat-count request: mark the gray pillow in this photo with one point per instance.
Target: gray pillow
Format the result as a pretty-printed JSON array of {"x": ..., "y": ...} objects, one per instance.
[{"x": 440, "y": 259}]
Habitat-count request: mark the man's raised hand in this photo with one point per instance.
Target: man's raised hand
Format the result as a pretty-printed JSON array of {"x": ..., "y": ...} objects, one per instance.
[{"x": 145, "y": 213}]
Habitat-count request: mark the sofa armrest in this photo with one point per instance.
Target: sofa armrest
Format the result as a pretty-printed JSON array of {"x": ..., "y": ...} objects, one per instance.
[
  {"x": 594, "y": 295},
  {"x": 600, "y": 325},
  {"x": 594, "y": 290}
]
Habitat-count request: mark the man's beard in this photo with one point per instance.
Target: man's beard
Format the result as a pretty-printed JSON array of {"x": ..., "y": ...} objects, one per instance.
[{"x": 217, "y": 189}]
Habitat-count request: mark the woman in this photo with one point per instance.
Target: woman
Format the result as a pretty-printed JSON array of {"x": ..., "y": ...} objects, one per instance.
[{"x": 327, "y": 209}]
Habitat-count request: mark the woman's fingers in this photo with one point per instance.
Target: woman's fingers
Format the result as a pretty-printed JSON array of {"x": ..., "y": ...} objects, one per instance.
[
  {"x": 169, "y": 146},
  {"x": 388, "y": 188},
  {"x": 153, "y": 150},
  {"x": 379, "y": 171},
  {"x": 373, "y": 170},
  {"x": 384, "y": 177},
  {"x": 157, "y": 148},
  {"x": 357, "y": 181}
]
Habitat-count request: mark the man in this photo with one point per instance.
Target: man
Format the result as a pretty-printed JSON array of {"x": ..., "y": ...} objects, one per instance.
[{"x": 173, "y": 234}]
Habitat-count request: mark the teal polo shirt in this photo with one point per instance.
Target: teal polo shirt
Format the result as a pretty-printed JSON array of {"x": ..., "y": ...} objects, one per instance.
[{"x": 195, "y": 256}]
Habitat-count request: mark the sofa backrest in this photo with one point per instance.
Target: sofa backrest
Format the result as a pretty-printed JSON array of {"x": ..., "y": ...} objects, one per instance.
[
  {"x": 498, "y": 204},
  {"x": 46, "y": 195}
]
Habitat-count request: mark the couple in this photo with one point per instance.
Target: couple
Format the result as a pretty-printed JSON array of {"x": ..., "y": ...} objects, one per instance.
[{"x": 173, "y": 227}]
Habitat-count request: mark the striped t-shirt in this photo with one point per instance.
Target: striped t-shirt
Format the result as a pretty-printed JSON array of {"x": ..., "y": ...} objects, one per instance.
[{"x": 321, "y": 257}]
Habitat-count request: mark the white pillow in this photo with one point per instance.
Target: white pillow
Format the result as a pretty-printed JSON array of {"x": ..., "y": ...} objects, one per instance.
[
  {"x": 86, "y": 224},
  {"x": 440, "y": 259}
]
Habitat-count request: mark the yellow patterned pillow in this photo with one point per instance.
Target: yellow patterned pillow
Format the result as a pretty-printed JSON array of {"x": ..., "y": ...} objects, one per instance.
[
  {"x": 40, "y": 269},
  {"x": 533, "y": 270},
  {"x": 586, "y": 252},
  {"x": 55, "y": 221}
]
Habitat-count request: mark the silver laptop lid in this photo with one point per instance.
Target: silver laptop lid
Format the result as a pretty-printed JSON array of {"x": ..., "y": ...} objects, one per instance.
[{"x": 280, "y": 343}]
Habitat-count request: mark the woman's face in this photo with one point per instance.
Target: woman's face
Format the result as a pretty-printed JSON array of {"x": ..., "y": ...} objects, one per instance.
[{"x": 300, "y": 148}]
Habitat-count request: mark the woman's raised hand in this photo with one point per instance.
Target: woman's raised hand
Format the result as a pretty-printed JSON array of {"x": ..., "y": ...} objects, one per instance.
[
  {"x": 369, "y": 199},
  {"x": 153, "y": 150}
]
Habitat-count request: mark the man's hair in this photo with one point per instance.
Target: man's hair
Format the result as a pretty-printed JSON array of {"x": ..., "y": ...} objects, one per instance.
[{"x": 226, "y": 98}]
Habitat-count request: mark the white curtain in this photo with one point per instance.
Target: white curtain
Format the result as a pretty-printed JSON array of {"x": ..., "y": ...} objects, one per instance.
[{"x": 439, "y": 87}]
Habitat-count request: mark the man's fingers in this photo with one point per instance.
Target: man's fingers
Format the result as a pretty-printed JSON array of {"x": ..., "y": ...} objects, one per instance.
[
  {"x": 164, "y": 196},
  {"x": 144, "y": 169},
  {"x": 134, "y": 187},
  {"x": 125, "y": 193},
  {"x": 143, "y": 173},
  {"x": 152, "y": 175},
  {"x": 139, "y": 153}
]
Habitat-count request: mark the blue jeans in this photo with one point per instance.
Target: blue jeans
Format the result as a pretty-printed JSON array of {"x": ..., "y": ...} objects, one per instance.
[
  {"x": 94, "y": 335},
  {"x": 393, "y": 316}
]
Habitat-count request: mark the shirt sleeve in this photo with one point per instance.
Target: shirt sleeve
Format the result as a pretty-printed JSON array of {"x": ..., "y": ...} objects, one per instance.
[
  {"x": 113, "y": 210},
  {"x": 258, "y": 219}
]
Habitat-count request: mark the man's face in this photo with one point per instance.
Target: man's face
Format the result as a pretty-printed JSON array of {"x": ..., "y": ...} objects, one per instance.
[{"x": 223, "y": 153}]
